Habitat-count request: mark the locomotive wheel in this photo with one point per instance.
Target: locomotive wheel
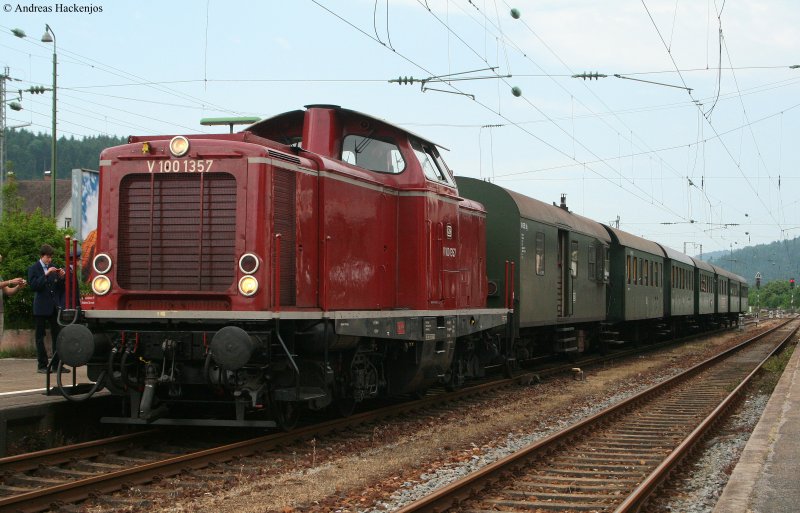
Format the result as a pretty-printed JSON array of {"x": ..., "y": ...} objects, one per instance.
[{"x": 286, "y": 415}]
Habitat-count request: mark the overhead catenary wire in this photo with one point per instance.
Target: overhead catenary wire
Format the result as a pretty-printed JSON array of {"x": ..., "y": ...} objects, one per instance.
[
  {"x": 682, "y": 79},
  {"x": 517, "y": 124},
  {"x": 566, "y": 66},
  {"x": 711, "y": 125},
  {"x": 502, "y": 116}
]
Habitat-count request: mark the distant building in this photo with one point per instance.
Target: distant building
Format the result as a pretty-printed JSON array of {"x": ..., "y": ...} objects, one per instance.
[{"x": 36, "y": 194}]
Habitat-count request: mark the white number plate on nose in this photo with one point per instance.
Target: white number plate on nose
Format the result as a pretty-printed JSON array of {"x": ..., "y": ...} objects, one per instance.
[{"x": 180, "y": 166}]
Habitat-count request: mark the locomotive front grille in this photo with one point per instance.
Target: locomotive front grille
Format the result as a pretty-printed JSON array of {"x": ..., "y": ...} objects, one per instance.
[{"x": 176, "y": 232}]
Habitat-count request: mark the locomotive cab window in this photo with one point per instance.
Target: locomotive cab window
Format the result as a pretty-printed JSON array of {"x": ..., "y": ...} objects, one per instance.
[
  {"x": 432, "y": 165},
  {"x": 373, "y": 154}
]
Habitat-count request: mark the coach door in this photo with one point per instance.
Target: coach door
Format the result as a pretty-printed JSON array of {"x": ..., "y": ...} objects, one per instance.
[{"x": 567, "y": 270}]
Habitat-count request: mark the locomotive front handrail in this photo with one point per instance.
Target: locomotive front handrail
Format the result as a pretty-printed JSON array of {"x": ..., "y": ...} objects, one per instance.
[
  {"x": 69, "y": 272},
  {"x": 277, "y": 280}
]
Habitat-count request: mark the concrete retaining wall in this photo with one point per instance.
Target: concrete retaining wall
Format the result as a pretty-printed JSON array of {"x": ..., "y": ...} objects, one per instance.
[{"x": 19, "y": 339}]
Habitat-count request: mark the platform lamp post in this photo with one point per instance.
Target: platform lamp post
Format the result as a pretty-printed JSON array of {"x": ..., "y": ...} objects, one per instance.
[{"x": 49, "y": 37}]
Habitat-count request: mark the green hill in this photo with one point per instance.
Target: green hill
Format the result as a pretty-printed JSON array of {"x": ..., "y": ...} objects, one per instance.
[
  {"x": 777, "y": 261},
  {"x": 28, "y": 154}
]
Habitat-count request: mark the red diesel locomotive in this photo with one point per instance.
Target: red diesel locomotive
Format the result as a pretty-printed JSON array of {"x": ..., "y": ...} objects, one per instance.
[{"x": 319, "y": 258}]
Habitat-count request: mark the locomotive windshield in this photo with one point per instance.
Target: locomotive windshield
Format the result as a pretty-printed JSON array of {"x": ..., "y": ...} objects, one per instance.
[
  {"x": 373, "y": 154},
  {"x": 432, "y": 165}
]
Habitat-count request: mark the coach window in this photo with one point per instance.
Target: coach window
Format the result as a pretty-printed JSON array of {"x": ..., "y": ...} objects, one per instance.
[
  {"x": 635, "y": 270},
  {"x": 540, "y": 253},
  {"x": 573, "y": 270},
  {"x": 433, "y": 167},
  {"x": 373, "y": 154},
  {"x": 592, "y": 262},
  {"x": 628, "y": 269},
  {"x": 640, "y": 271}
]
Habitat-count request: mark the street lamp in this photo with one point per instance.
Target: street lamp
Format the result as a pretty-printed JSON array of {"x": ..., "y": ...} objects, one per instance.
[{"x": 50, "y": 37}]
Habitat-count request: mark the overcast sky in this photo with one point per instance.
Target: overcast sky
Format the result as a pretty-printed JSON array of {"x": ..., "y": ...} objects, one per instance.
[{"x": 714, "y": 165}]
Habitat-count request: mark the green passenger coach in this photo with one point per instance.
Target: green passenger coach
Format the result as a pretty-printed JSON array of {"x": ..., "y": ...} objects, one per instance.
[
  {"x": 636, "y": 292},
  {"x": 679, "y": 284},
  {"x": 561, "y": 267}
]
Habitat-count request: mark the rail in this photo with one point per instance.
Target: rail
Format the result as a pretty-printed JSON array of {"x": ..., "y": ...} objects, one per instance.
[{"x": 500, "y": 472}]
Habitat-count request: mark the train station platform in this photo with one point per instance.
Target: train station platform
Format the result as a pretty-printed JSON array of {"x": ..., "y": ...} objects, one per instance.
[
  {"x": 18, "y": 377},
  {"x": 766, "y": 478},
  {"x": 30, "y": 419}
]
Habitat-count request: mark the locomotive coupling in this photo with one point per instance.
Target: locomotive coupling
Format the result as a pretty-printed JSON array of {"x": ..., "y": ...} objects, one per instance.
[
  {"x": 76, "y": 345},
  {"x": 231, "y": 347}
]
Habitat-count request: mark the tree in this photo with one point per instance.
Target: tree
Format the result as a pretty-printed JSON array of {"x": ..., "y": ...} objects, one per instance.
[
  {"x": 775, "y": 294},
  {"x": 21, "y": 236},
  {"x": 31, "y": 152}
]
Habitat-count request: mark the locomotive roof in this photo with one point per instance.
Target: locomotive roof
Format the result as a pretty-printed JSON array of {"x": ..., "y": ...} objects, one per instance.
[
  {"x": 632, "y": 241},
  {"x": 296, "y": 117},
  {"x": 677, "y": 255},
  {"x": 702, "y": 264},
  {"x": 540, "y": 211}
]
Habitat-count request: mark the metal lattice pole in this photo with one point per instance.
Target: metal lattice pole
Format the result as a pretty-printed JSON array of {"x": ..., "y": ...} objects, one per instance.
[{"x": 3, "y": 79}]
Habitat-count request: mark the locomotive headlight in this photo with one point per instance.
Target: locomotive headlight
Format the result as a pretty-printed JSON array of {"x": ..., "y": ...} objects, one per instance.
[
  {"x": 101, "y": 263},
  {"x": 248, "y": 264},
  {"x": 101, "y": 285},
  {"x": 248, "y": 285},
  {"x": 179, "y": 146}
]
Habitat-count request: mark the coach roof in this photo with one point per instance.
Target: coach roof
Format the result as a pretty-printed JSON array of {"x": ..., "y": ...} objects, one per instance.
[
  {"x": 726, "y": 273},
  {"x": 702, "y": 264},
  {"x": 536, "y": 210},
  {"x": 677, "y": 255},
  {"x": 632, "y": 241}
]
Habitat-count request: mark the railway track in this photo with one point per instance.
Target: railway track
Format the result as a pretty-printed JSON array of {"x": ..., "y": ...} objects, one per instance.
[
  {"x": 37, "y": 481},
  {"x": 615, "y": 459}
]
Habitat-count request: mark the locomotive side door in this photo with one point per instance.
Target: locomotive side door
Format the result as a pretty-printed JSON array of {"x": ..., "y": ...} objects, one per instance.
[{"x": 441, "y": 214}]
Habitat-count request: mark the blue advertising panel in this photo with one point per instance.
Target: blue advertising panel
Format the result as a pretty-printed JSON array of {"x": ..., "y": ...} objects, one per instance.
[{"x": 85, "y": 195}]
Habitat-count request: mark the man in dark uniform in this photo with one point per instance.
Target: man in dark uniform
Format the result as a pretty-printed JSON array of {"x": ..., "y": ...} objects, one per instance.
[{"x": 47, "y": 282}]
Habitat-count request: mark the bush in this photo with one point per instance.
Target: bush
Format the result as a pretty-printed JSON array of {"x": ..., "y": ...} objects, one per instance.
[{"x": 21, "y": 236}]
